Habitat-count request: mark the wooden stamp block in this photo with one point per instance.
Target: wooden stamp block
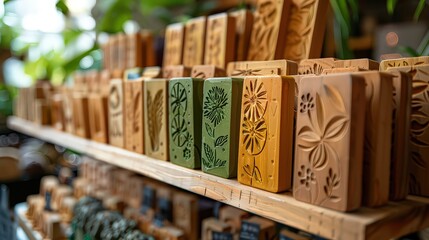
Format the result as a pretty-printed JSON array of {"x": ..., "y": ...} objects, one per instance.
[
  {"x": 42, "y": 112},
  {"x": 341, "y": 70},
  {"x": 419, "y": 144},
  {"x": 261, "y": 68},
  {"x": 193, "y": 52},
  {"x": 400, "y": 148},
  {"x": 133, "y": 100},
  {"x": 66, "y": 208},
  {"x": 207, "y": 71},
  {"x": 378, "y": 134},
  {"x": 114, "y": 52},
  {"x": 289, "y": 235},
  {"x": 173, "y": 50},
  {"x": 329, "y": 141},
  {"x": 57, "y": 112},
  {"x": 258, "y": 228},
  {"x": 58, "y": 193},
  {"x": 221, "y": 124},
  {"x": 151, "y": 72},
  {"x": 156, "y": 118},
  {"x": 363, "y": 63},
  {"x": 212, "y": 226},
  {"x": 176, "y": 71},
  {"x": 78, "y": 187},
  {"x": 105, "y": 78},
  {"x": 164, "y": 206},
  {"x": 68, "y": 110},
  {"x": 243, "y": 30},
  {"x": 315, "y": 66},
  {"x": 149, "y": 55},
  {"x": 92, "y": 80},
  {"x": 134, "y": 48},
  {"x": 185, "y": 214},
  {"x": 185, "y": 108},
  {"x": 220, "y": 40},
  {"x": 33, "y": 201},
  {"x": 79, "y": 84},
  {"x": 265, "y": 147},
  {"x": 120, "y": 180},
  {"x": 80, "y": 113},
  {"x": 305, "y": 29},
  {"x": 122, "y": 51},
  {"x": 166, "y": 232},
  {"x": 116, "y": 113},
  {"x": 106, "y": 177},
  {"x": 97, "y": 110},
  {"x": 268, "y": 35},
  {"x": 233, "y": 217},
  {"x": 106, "y": 55},
  {"x": 403, "y": 62},
  {"x": 135, "y": 191}
]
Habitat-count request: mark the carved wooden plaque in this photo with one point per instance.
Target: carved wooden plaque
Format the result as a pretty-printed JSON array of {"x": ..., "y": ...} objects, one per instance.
[
  {"x": 315, "y": 66},
  {"x": 306, "y": 28},
  {"x": 403, "y": 62},
  {"x": 329, "y": 141},
  {"x": 133, "y": 118},
  {"x": 243, "y": 30},
  {"x": 193, "y": 52},
  {"x": 378, "y": 134},
  {"x": 97, "y": 110},
  {"x": 265, "y": 147},
  {"x": 176, "y": 71},
  {"x": 80, "y": 113},
  {"x": 57, "y": 117},
  {"x": 268, "y": 35},
  {"x": 156, "y": 118},
  {"x": 212, "y": 225},
  {"x": 258, "y": 228},
  {"x": 116, "y": 113},
  {"x": 220, "y": 40},
  {"x": 122, "y": 51},
  {"x": 185, "y": 213},
  {"x": 185, "y": 107},
  {"x": 149, "y": 54},
  {"x": 363, "y": 63},
  {"x": 206, "y": 71},
  {"x": 261, "y": 68},
  {"x": 104, "y": 83},
  {"x": 134, "y": 48},
  {"x": 221, "y": 125},
  {"x": 233, "y": 217},
  {"x": 400, "y": 148},
  {"x": 114, "y": 52},
  {"x": 341, "y": 70},
  {"x": 173, "y": 50}
]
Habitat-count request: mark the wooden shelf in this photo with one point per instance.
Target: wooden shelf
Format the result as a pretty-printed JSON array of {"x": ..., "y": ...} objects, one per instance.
[{"x": 393, "y": 220}]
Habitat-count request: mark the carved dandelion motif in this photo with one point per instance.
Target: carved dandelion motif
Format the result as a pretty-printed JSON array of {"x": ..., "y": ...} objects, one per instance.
[
  {"x": 306, "y": 103},
  {"x": 213, "y": 106},
  {"x": 255, "y": 101},
  {"x": 306, "y": 176},
  {"x": 254, "y": 135}
]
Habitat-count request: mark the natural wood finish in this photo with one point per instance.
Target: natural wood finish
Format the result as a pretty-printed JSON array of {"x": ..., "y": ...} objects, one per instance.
[
  {"x": 176, "y": 71},
  {"x": 166, "y": 232},
  {"x": 403, "y": 62},
  {"x": 315, "y": 66},
  {"x": 211, "y": 225},
  {"x": 266, "y": 228},
  {"x": 268, "y": 35},
  {"x": 365, "y": 223},
  {"x": 305, "y": 29},
  {"x": 133, "y": 115},
  {"x": 148, "y": 48},
  {"x": 261, "y": 68},
  {"x": 233, "y": 217},
  {"x": 116, "y": 113},
  {"x": 341, "y": 70},
  {"x": 105, "y": 48},
  {"x": 134, "y": 50},
  {"x": 57, "y": 111},
  {"x": 42, "y": 112},
  {"x": 289, "y": 235},
  {"x": 105, "y": 78},
  {"x": 206, "y": 71},
  {"x": 185, "y": 213},
  {"x": 243, "y": 30},
  {"x": 329, "y": 141},
  {"x": 151, "y": 72},
  {"x": 220, "y": 40},
  {"x": 68, "y": 109},
  {"x": 98, "y": 118},
  {"x": 173, "y": 50},
  {"x": 58, "y": 193},
  {"x": 66, "y": 208},
  {"x": 266, "y": 139},
  {"x": 363, "y": 63},
  {"x": 80, "y": 115},
  {"x": 193, "y": 52},
  {"x": 122, "y": 51},
  {"x": 92, "y": 80}
]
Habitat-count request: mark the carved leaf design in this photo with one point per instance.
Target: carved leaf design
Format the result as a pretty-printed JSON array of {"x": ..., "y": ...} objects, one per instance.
[
  {"x": 155, "y": 111},
  {"x": 257, "y": 174},
  {"x": 220, "y": 141},
  {"x": 210, "y": 130},
  {"x": 336, "y": 128},
  {"x": 419, "y": 86},
  {"x": 414, "y": 185},
  {"x": 209, "y": 154},
  {"x": 335, "y": 97},
  {"x": 320, "y": 113},
  {"x": 136, "y": 112},
  {"x": 418, "y": 160}
]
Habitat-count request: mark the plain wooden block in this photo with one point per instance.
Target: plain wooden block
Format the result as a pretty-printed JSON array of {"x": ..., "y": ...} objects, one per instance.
[
  {"x": 80, "y": 113},
  {"x": 400, "y": 148},
  {"x": 185, "y": 213},
  {"x": 134, "y": 48},
  {"x": 185, "y": 108},
  {"x": 220, "y": 40},
  {"x": 116, "y": 113},
  {"x": 341, "y": 70},
  {"x": 403, "y": 62},
  {"x": 135, "y": 191},
  {"x": 114, "y": 54},
  {"x": 176, "y": 71},
  {"x": 261, "y": 68},
  {"x": 133, "y": 115},
  {"x": 265, "y": 147},
  {"x": 193, "y": 52},
  {"x": 92, "y": 80},
  {"x": 57, "y": 118},
  {"x": 173, "y": 50},
  {"x": 213, "y": 226},
  {"x": 329, "y": 141},
  {"x": 363, "y": 63},
  {"x": 207, "y": 71},
  {"x": 149, "y": 55},
  {"x": 289, "y": 235},
  {"x": 220, "y": 126},
  {"x": 305, "y": 29},
  {"x": 156, "y": 118},
  {"x": 233, "y": 217},
  {"x": 105, "y": 78},
  {"x": 315, "y": 66},
  {"x": 33, "y": 201},
  {"x": 42, "y": 112},
  {"x": 97, "y": 110},
  {"x": 122, "y": 51},
  {"x": 243, "y": 30},
  {"x": 258, "y": 228},
  {"x": 67, "y": 109},
  {"x": 268, "y": 35},
  {"x": 105, "y": 48},
  {"x": 66, "y": 208}
]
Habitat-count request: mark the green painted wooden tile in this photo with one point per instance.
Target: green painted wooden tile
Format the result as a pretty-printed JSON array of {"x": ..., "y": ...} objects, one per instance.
[
  {"x": 185, "y": 111},
  {"x": 221, "y": 126}
]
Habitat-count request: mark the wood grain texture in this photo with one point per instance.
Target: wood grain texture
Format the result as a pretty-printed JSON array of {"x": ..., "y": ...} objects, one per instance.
[
  {"x": 67, "y": 109},
  {"x": 98, "y": 118},
  {"x": 363, "y": 63},
  {"x": 265, "y": 147},
  {"x": 80, "y": 113},
  {"x": 267, "y": 38},
  {"x": 105, "y": 77},
  {"x": 149, "y": 55},
  {"x": 134, "y": 50},
  {"x": 403, "y": 62},
  {"x": 341, "y": 70},
  {"x": 305, "y": 29},
  {"x": 122, "y": 51},
  {"x": 176, "y": 71},
  {"x": 105, "y": 48},
  {"x": 185, "y": 213},
  {"x": 315, "y": 66},
  {"x": 206, "y": 71},
  {"x": 156, "y": 118},
  {"x": 193, "y": 52},
  {"x": 261, "y": 68},
  {"x": 220, "y": 40},
  {"x": 233, "y": 217},
  {"x": 173, "y": 50},
  {"x": 133, "y": 115},
  {"x": 116, "y": 113},
  {"x": 57, "y": 114},
  {"x": 243, "y": 30},
  {"x": 329, "y": 141}
]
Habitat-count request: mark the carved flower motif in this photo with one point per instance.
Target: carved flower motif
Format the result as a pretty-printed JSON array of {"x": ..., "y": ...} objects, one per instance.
[
  {"x": 306, "y": 176},
  {"x": 306, "y": 103},
  {"x": 215, "y": 100},
  {"x": 255, "y": 101},
  {"x": 179, "y": 131},
  {"x": 186, "y": 153},
  {"x": 178, "y": 98},
  {"x": 254, "y": 135},
  {"x": 332, "y": 182}
]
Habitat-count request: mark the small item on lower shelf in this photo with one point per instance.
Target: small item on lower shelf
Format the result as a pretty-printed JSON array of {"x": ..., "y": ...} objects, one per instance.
[
  {"x": 47, "y": 184},
  {"x": 98, "y": 117},
  {"x": 120, "y": 179},
  {"x": 363, "y": 63},
  {"x": 114, "y": 203},
  {"x": 221, "y": 126},
  {"x": 289, "y": 235},
  {"x": 315, "y": 66},
  {"x": 185, "y": 107},
  {"x": 164, "y": 206},
  {"x": 185, "y": 213},
  {"x": 257, "y": 228},
  {"x": 166, "y": 232},
  {"x": 34, "y": 202},
  {"x": 266, "y": 133},
  {"x": 68, "y": 109},
  {"x": 243, "y": 29},
  {"x": 233, "y": 217},
  {"x": 206, "y": 71},
  {"x": 116, "y": 113},
  {"x": 133, "y": 115},
  {"x": 80, "y": 115},
  {"x": 79, "y": 187},
  {"x": 262, "y": 68},
  {"x": 58, "y": 193},
  {"x": 212, "y": 227}
]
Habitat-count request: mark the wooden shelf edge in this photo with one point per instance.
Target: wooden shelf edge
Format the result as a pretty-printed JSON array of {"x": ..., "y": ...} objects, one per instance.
[{"x": 393, "y": 220}]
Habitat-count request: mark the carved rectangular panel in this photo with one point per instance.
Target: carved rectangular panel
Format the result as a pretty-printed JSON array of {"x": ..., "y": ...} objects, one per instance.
[
  {"x": 265, "y": 147},
  {"x": 221, "y": 125},
  {"x": 220, "y": 40},
  {"x": 116, "y": 113},
  {"x": 105, "y": 78},
  {"x": 134, "y": 48},
  {"x": 206, "y": 71},
  {"x": 378, "y": 134},
  {"x": 185, "y": 213},
  {"x": 149, "y": 54},
  {"x": 80, "y": 113},
  {"x": 133, "y": 118},
  {"x": 243, "y": 30},
  {"x": 156, "y": 118},
  {"x": 68, "y": 109},
  {"x": 193, "y": 52},
  {"x": 97, "y": 110},
  {"x": 261, "y": 68},
  {"x": 305, "y": 29},
  {"x": 185, "y": 107},
  {"x": 329, "y": 141},
  {"x": 57, "y": 118},
  {"x": 400, "y": 148},
  {"x": 268, "y": 35},
  {"x": 403, "y": 62},
  {"x": 315, "y": 66},
  {"x": 106, "y": 55},
  {"x": 176, "y": 71},
  {"x": 363, "y": 63},
  {"x": 173, "y": 50}
]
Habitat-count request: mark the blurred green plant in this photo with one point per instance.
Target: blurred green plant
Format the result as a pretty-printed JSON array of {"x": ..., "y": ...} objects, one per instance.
[{"x": 7, "y": 94}]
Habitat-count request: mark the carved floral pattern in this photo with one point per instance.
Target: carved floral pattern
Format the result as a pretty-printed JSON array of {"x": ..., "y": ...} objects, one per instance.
[
  {"x": 155, "y": 115},
  {"x": 306, "y": 103},
  {"x": 255, "y": 100},
  {"x": 216, "y": 100},
  {"x": 179, "y": 127},
  {"x": 254, "y": 135},
  {"x": 306, "y": 176}
]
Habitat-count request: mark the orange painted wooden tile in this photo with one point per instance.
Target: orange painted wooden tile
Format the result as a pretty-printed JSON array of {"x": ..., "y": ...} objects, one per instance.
[
  {"x": 193, "y": 52},
  {"x": 173, "y": 50},
  {"x": 261, "y": 68}
]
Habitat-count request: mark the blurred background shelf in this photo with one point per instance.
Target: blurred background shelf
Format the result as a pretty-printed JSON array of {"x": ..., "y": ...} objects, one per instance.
[{"x": 24, "y": 223}]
